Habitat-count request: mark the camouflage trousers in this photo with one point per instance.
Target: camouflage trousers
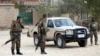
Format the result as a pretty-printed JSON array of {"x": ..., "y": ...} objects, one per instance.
[
  {"x": 42, "y": 42},
  {"x": 93, "y": 33},
  {"x": 15, "y": 40}
]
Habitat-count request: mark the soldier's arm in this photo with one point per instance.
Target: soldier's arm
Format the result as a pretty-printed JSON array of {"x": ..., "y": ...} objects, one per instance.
[
  {"x": 39, "y": 23},
  {"x": 90, "y": 24},
  {"x": 12, "y": 26},
  {"x": 22, "y": 26},
  {"x": 96, "y": 25}
]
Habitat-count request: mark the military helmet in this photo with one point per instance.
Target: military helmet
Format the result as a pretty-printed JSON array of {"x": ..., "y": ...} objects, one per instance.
[{"x": 93, "y": 19}]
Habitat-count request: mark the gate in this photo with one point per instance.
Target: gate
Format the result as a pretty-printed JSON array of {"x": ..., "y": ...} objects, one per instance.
[{"x": 27, "y": 16}]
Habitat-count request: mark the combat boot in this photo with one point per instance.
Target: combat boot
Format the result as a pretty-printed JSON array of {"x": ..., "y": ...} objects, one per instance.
[
  {"x": 18, "y": 52},
  {"x": 96, "y": 43},
  {"x": 12, "y": 51},
  {"x": 43, "y": 51}
]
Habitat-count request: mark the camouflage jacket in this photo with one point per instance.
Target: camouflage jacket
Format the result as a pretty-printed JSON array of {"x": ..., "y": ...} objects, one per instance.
[
  {"x": 42, "y": 27},
  {"x": 16, "y": 27},
  {"x": 93, "y": 26}
]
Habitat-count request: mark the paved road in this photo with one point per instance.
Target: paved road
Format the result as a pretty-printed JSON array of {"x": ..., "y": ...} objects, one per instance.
[{"x": 28, "y": 49}]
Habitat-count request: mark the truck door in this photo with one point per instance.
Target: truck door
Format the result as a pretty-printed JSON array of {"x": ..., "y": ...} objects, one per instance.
[{"x": 50, "y": 33}]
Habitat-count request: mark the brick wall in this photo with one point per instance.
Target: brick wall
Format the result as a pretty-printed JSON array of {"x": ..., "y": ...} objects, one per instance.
[{"x": 7, "y": 14}]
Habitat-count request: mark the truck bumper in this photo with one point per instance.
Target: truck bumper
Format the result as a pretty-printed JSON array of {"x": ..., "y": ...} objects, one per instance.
[{"x": 76, "y": 37}]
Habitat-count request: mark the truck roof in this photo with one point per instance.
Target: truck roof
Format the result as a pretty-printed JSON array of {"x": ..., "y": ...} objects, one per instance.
[{"x": 53, "y": 18}]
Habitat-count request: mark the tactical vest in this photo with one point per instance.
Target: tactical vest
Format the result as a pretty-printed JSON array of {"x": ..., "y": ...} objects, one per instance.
[
  {"x": 93, "y": 26},
  {"x": 42, "y": 28},
  {"x": 16, "y": 27}
]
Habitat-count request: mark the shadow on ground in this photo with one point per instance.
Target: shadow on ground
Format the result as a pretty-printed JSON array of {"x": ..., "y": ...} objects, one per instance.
[
  {"x": 69, "y": 46},
  {"x": 66, "y": 47}
]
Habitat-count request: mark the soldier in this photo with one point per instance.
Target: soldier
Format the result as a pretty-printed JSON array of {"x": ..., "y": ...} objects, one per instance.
[
  {"x": 93, "y": 31},
  {"x": 42, "y": 32},
  {"x": 15, "y": 33}
]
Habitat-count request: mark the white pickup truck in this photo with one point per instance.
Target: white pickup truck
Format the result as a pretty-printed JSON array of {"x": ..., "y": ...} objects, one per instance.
[{"x": 63, "y": 30}]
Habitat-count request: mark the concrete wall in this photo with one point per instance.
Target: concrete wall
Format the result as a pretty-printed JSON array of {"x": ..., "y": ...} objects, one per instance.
[
  {"x": 7, "y": 14},
  {"x": 36, "y": 17}
]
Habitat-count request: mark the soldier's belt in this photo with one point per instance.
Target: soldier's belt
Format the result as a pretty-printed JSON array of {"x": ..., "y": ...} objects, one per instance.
[
  {"x": 16, "y": 35},
  {"x": 15, "y": 31}
]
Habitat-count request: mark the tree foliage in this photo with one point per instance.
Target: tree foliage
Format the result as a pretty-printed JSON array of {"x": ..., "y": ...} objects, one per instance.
[
  {"x": 19, "y": 5},
  {"x": 94, "y": 7},
  {"x": 72, "y": 7},
  {"x": 41, "y": 8}
]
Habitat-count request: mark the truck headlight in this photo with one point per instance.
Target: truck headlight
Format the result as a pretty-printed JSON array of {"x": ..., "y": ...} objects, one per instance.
[{"x": 69, "y": 32}]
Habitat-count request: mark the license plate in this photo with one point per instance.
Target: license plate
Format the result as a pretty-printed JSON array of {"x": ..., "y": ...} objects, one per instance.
[{"x": 81, "y": 36}]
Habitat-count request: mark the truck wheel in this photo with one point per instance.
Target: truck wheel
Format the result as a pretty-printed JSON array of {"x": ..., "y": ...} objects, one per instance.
[
  {"x": 60, "y": 42},
  {"x": 55, "y": 42},
  {"x": 36, "y": 39},
  {"x": 82, "y": 43}
]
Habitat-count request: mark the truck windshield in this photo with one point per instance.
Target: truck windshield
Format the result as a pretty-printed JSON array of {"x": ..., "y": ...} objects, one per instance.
[{"x": 64, "y": 22}]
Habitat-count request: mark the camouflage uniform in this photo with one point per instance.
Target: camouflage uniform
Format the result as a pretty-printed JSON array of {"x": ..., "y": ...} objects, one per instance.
[
  {"x": 15, "y": 40},
  {"x": 93, "y": 31},
  {"x": 15, "y": 33},
  {"x": 42, "y": 32}
]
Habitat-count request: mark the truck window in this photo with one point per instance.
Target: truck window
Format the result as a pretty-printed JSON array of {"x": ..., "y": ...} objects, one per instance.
[{"x": 50, "y": 24}]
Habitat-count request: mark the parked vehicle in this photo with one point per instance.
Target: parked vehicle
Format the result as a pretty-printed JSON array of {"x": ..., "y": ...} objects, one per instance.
[{"x": 63, "y": 30}]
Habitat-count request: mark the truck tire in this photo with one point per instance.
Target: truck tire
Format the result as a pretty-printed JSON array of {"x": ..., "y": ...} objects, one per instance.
[
  {"x": 60, "y": 42},
  {"x": 36, "y": 39},
  {"x": 82, "y": 43},
  {"x": 55, "y": 42}
]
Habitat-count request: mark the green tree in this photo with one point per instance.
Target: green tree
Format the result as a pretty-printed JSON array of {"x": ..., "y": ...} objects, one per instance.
[
  {"x": 41, "y": 8},
  {"x": 19, "y": 5},
  {"x": 73, "y": 7},
  {"x": 44, "y": 8},
  {"x": 93, "y": 7}
]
